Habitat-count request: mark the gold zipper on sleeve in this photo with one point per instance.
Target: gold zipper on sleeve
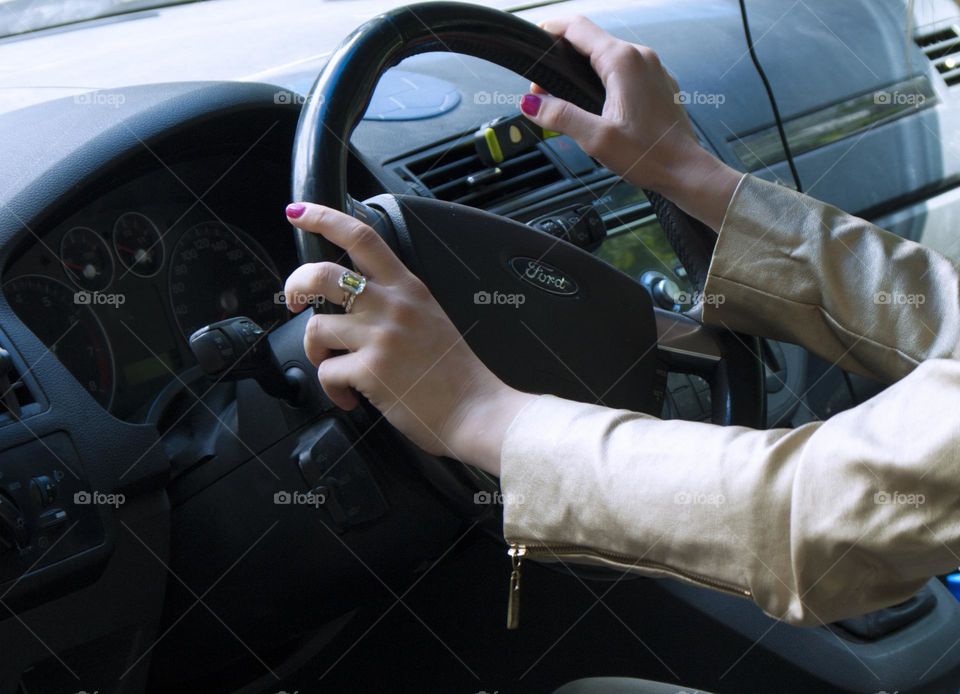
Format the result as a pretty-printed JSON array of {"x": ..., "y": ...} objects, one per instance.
[{"x": 518, "y": 551}]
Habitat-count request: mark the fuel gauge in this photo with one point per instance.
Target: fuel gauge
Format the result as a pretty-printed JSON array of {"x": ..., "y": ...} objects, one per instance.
[
  {"x": 138, "y": 243},
  {"x": 86, "y": 259}
]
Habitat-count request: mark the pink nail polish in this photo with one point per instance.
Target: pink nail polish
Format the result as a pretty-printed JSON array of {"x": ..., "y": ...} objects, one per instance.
[
  {"x": 530, "y": 104},
  {"x": 295, "y": 210}
]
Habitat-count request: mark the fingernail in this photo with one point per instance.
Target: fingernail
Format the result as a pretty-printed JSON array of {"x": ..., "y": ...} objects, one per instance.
[
  {"x": 530, "y": 104},
  {"x": 295, "y": 210}
]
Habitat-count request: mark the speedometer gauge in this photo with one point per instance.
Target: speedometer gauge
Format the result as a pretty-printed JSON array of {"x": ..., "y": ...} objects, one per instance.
[
  {"x": 86, "y": 259},
  {"x": 68, "y": 327},
  {"x": 138, "y": 243},
  {"x": 217, "y": 272}
]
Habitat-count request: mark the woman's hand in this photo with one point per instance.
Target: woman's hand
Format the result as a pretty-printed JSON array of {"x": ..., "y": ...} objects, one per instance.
[
  {"x": 398, "y": 348},
  {"x": 643, "y": 133}
]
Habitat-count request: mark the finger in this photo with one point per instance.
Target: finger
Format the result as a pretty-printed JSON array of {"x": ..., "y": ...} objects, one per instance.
[
  {"x": 587, "y": 38},
  {"x": 317, "y": 355},
  {"x": 556, "y": 25},
  {"x": 315, "y": 283},
  {"x": 369, "y": 252},
  {"x": 338, "y": 377},
  {"x": 537, "y": 89},
  {"x": 326, "y": 334},
  {"x": 556, "y": 114}
]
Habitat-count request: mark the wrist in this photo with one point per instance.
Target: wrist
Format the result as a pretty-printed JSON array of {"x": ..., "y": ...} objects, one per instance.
[
  {"x": 700, "y": 184},
  {"x": 476, "y": 429}
]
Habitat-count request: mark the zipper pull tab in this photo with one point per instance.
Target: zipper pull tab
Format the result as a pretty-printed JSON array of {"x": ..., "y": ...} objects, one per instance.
[{"x": 516, "y": 552}]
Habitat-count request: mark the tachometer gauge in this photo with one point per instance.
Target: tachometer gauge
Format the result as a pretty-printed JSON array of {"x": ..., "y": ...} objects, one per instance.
[
  {"x": 86, "y": 259},
  {"x": 138, "y": 244},
  {"x": 218, "y": 272},
  {"x": 58, "y": 316}
]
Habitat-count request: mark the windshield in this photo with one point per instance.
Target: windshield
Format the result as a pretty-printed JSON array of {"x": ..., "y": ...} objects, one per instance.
[{"x": 21, "y": 16}]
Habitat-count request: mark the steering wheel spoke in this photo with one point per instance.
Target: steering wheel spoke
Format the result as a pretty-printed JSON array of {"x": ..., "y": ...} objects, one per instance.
[{"x": 686, "y": 345}]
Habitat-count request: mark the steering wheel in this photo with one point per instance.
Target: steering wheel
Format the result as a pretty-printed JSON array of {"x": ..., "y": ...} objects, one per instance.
[{"x": 585, "y": 330}]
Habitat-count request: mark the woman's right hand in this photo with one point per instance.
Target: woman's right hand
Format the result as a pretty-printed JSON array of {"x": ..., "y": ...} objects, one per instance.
[{"x": 643, "y": 133}]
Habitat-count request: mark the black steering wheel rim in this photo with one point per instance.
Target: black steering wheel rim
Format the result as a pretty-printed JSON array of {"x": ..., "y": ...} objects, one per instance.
[
  {"x": 320, "y": 154},
  {"x": 341, "y": 94}
]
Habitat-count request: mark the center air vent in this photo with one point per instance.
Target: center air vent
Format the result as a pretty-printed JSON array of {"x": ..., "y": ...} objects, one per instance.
[
  {"x": 455, "y": 173},
  {"x": 942, "y": 47}
]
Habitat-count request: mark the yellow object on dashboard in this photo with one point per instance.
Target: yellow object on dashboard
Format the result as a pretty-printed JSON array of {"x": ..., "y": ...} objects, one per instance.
[{"x": 506, "y": 137}]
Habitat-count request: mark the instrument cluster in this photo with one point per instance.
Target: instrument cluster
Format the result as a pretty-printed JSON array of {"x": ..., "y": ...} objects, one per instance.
[{"x": 115, "y": 289}]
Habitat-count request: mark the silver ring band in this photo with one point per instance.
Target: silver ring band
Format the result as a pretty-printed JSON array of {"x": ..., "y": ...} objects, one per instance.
[{"x": 348, "y": 300}]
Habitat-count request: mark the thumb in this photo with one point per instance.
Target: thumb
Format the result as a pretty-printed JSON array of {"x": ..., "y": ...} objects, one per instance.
[{"x": 552, "y": 113}]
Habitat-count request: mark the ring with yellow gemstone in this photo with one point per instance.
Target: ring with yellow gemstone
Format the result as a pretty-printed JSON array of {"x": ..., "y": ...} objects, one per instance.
[{"x": 352, "y": 283}]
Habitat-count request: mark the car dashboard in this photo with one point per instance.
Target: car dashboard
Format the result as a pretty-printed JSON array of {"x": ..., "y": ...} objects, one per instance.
[{"x": 149, "y": 253}]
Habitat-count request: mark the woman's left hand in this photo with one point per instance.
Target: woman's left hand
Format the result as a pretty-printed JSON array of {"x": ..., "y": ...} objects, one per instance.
[{"x": 398, "y": 348}]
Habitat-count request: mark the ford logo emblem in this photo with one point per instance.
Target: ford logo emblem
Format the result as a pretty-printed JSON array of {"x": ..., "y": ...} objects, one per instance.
[{"x": 546, "y": 277}]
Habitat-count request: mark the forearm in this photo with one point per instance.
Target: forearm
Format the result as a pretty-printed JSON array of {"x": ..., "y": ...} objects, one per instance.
[
  {"x": 699, "y": 183},
  {"x": 475, "y": 431},
  {"x": 815, "y": 524},
  {"x": 790, "y": 267}
]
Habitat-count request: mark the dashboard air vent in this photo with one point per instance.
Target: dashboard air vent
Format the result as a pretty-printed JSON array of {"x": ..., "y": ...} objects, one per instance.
[
  {"x": 942, "y": 47},
  {"x": 14, "y": 393},
  {"x": 456, "y": 174}
]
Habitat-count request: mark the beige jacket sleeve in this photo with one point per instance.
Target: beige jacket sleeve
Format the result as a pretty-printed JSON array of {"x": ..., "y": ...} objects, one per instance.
[{"x": 815, "y": 524}]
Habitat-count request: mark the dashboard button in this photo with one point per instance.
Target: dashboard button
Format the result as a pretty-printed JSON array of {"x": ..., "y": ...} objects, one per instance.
[
  {"x": 551, "y": 227},
  {"x": 580, "y": 225},
  {"x": 43, "y": 490},
  {"x": 54, "y": 518}
]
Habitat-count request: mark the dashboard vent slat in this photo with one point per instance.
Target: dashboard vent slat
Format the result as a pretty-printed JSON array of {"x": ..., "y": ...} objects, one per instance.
[
  {"x": 455, "y": 174},
  {"x": 15, "y": 396},
  {"x": 942, "y": 48}
]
